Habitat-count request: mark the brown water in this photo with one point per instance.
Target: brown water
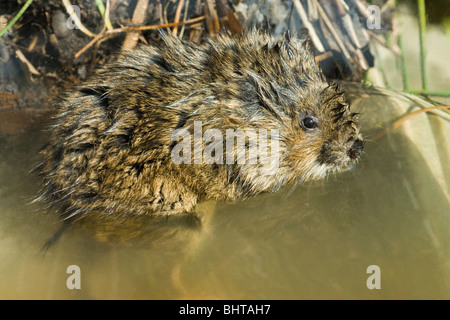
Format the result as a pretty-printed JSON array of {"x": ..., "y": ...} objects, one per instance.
[{"x": 314, "y": 241}]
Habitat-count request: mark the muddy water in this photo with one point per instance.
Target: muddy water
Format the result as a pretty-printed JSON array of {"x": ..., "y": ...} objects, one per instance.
[{"x": 314, "y": 241}]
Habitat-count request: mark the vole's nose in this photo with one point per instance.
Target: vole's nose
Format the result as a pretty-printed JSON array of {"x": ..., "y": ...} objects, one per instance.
[{"x": 356, "y": 149}]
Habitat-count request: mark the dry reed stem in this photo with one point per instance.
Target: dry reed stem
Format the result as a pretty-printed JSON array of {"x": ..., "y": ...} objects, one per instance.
[
  {"x": 177, "y": 16},
  {"x": 106, "y": 33},
  {"x": 76, "y": 20},
  {"x": 22, "y": 58},
  {"x": 313, "y": 35},
  {"x": 139, "y": 14},
  {"x": 400, "y": 121}
]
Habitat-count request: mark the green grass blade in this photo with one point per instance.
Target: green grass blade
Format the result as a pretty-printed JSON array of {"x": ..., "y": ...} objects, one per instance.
[{"x": 14, "y": 20}]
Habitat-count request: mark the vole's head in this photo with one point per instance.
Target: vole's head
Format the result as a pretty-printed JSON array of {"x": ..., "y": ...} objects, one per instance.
[
  {"x": 264, "y": 82},
  {"x": 318, "y": 132},
  {"x": 324, "y": 134}
]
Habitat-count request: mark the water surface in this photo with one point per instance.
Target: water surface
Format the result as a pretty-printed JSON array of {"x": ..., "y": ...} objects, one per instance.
[{"x": 313, "y": 241}]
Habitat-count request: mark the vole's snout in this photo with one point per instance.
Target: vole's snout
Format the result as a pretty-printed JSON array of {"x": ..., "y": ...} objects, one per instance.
[{"x": 356, "y": 149}]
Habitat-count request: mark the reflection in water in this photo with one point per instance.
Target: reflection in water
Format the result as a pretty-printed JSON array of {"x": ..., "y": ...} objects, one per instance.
[{"x": 314, "y": 241}]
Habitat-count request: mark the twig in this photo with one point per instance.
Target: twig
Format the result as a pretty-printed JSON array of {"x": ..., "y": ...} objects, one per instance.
[
  {"x": 134, "y": 29},
  {"x": 227, "y": 17},
  {"x": 323, "y": 56},
  {"x": 138, "y": 18},
  {"x": 332, "y": 30},
  {"x": 33, "y": 43},
  {"x": 177, "y": 16},
  {"x": 98, "y": 36},
  {"x": 186, "y": 6},
  {"x": 388, "y": 5},
  {"x": 108, "y": 24},
  {"x": 212, "y": 20},
  {"x": 76, "y": 20},
  {"x": 314, "y": 37},
  {"x": 16, "y": 17},
  {"x": 361, "y": 8},
  {"x": 104, "y": 12},
  {"x": 159, "y": 11},
  {"x": 90, "y": 43},
  {"x": 400, "y": 121},
  {"x": 27, "y": 63},
  {"x": 156, "y": 26},
  {"x": 165, "y": 12},
  {"x": 349, "y": 27}
]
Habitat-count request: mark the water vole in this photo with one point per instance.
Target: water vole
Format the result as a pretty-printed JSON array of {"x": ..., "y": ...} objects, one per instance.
[{"x": 112, "y": 142}]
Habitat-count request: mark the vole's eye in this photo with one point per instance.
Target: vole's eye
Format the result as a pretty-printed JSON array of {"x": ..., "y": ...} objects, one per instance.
[{"x": 310, "y": 123}]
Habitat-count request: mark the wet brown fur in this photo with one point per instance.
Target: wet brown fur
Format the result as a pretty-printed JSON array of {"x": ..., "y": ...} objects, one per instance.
[{"x": 110, "y": 147}]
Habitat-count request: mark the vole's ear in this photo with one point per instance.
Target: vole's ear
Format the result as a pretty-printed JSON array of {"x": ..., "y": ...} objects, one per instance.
[
  {"x": 283, "y": 47},
  {"x": 308, "y": 45},
  {"x": 310, "y": 67}
]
